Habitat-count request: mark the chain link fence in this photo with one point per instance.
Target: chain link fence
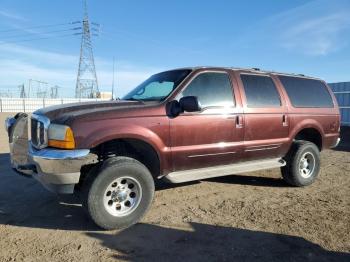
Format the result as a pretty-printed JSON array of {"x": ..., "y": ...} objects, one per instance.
[{"x": 28, "y": 105}]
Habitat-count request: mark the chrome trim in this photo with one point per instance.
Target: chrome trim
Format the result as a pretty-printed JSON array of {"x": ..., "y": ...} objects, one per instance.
[
  {"x": 225, "y": 153},
  {"x": 10, "y": 121},
  {"x": 336, "y": 143},
  {"x": 259, "y": 149},
  {"x": 38, "y": 127},
  {"x": 57, "y": 154},
  {"x": 262, "y": 147},
  {"x": 267, "y": 145},
  {"x": 46, "y": 122},
  {"x": 341, "y": 92}
]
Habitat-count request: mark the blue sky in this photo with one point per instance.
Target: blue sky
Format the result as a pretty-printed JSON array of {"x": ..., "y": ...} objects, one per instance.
[{"x": 309, "y": 37}]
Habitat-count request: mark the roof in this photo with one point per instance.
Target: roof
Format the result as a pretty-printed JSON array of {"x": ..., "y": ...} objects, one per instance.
[{"x": 250, "y": 70}]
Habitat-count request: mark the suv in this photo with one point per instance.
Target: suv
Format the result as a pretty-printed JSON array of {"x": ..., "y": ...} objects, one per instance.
[{"x": 179, "y": 125}]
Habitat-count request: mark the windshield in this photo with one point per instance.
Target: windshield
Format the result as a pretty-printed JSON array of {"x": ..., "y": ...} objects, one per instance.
[{"x": 158, "y": 86}]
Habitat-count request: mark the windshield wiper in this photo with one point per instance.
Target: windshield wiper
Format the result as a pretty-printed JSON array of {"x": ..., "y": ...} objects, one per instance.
[{"x": 134, "y": 99}]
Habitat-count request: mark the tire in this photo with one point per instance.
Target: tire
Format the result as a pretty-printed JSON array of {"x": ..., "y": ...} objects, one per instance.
[
  {"x": 304, "y": 156},
  {"x": 118, "y": 194}
]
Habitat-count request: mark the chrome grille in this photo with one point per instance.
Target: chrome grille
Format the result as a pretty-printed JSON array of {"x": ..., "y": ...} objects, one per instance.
[
  {"x": 39, "y": 126},
  {"x": 33, "y": 129}
]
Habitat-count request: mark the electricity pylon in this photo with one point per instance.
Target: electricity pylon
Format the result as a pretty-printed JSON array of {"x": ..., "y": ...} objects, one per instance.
[
  {"x": 87, "y": 85},
  {"x": 54, "y": 91}
]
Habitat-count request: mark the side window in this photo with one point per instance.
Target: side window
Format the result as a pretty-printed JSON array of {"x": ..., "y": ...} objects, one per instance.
[
  {"x": 304, "y": 92},
  {"x": 260, "y": 91},
  {"x": 212, "y": 89}
]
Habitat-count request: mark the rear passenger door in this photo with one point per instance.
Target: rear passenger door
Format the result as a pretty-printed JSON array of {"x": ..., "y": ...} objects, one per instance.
[{"x": 265, "y": 116}]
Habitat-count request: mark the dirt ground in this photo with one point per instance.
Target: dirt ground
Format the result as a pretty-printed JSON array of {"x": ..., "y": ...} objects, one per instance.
[{"x": 251, "y": 217}]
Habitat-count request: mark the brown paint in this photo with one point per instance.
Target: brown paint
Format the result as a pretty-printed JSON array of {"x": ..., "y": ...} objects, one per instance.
[{"x": 211, "y": 137}]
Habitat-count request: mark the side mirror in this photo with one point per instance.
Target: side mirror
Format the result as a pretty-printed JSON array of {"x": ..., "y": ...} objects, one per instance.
[
  {"x": 187, "y": 103},
  {"x": 190, "y": 104},
  {"x": 173, "y": 109}
]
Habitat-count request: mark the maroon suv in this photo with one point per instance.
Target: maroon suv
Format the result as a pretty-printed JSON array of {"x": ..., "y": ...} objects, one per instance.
[{"x": 179, "y": 125}]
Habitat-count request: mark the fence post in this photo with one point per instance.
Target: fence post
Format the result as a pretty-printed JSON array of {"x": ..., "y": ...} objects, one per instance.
[
  {"x": 43, "y": 102},
  {"x": 62, "y": 101},
  {"x": 24, "y": 105}
]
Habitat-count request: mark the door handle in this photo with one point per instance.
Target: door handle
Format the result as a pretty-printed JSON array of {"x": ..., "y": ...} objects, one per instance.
[
  {"x": 285, "y": 120},
  {"x": 239, "y": 121}
]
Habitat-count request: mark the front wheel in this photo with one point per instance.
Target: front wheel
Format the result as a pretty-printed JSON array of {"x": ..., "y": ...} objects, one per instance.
[
  {"x": 118, "y": 194},
  {"x": 303, "y": 164}
]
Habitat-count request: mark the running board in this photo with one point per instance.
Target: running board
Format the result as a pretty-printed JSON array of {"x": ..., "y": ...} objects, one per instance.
[{"x": 224, "y": 170}]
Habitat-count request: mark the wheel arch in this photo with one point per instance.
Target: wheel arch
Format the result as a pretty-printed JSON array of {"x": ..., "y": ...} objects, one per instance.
[
  {"x": 135, "y": 147},
  {"x": 310, "y": 131}
]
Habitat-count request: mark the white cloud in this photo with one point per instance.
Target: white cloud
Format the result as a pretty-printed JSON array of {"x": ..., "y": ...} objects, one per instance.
[
  {"x": 316, "y": 28},
  {"x": 61, "y": 69},
  {"x": 317, "y": 35},
  {"x": 53, "y": 58},
  {"x": 11, "y": 15}
]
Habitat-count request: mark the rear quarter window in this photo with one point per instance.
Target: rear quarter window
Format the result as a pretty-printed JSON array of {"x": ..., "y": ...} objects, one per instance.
[{"x": 304, "y": 92}]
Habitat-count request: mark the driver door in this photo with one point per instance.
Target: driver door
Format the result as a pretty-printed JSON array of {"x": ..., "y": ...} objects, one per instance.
[{"x": 214, "y": 135}]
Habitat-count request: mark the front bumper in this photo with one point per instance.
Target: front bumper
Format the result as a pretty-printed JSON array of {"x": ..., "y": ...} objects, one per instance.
[{"x": 58, "y": 170}]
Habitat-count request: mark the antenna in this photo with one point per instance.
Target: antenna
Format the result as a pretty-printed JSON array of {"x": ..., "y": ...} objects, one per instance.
[
  {"x": 113, "y": 79},
  {"x": 87, "y": 85}
]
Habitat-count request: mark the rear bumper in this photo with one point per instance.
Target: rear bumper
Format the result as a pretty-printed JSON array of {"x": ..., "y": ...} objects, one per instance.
[{"x": 58, "y": 170}]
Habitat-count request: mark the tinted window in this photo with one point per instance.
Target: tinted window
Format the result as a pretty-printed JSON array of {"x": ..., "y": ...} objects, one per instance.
[
  {"x": 306, "y": 92},
  {"x": 260, "y": 91},
  {"x": 212, "y": 89}
]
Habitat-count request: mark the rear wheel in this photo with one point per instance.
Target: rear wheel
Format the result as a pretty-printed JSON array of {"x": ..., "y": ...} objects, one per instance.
[
  {"x": 303, "y": 164},
  {"x": 119, "y": 193}
]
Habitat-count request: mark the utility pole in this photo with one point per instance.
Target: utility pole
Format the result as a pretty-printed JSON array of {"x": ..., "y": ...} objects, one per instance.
[
  {"x": 87, "y": 85},
  {"x": 22, "y": 91},
  {"x": 29, "y": 87}
]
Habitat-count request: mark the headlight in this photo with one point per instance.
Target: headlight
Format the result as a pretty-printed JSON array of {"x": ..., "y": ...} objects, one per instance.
[{"x": 61, "y": 136}]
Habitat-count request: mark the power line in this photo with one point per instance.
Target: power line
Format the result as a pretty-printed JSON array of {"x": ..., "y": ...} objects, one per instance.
[
  {"x": 40, "y": 33},
  {"x": 40, "y": 38},
  {"x": 39, "y": 26}
]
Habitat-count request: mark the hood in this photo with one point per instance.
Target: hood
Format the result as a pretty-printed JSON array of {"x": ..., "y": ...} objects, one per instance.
[{"x": 64, "y": 114}]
